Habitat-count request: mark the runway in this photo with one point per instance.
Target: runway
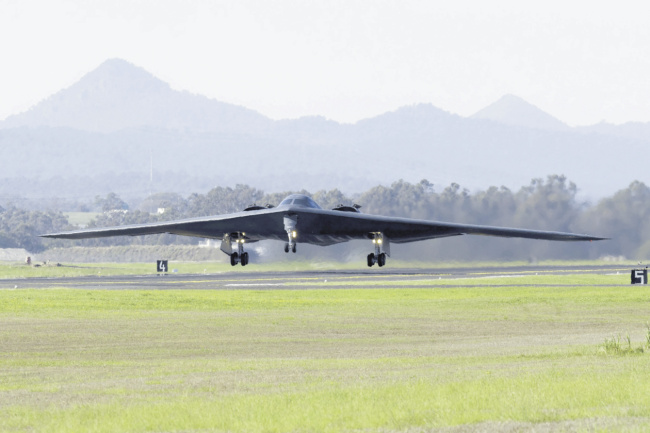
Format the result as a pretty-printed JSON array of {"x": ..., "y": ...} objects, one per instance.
[{"x": 244, "y": 279}]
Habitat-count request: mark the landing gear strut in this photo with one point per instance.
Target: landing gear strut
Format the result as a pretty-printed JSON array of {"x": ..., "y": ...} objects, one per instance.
[{"x": 378, "y": 256}]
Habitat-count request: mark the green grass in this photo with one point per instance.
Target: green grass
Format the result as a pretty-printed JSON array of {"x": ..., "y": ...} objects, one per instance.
[{"x": 385, "y": 359}]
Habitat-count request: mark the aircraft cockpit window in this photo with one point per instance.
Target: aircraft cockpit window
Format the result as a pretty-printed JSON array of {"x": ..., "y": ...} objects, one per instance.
[
  {"x": 306, "y": 201},
  {"x": 300, "y": 201}
]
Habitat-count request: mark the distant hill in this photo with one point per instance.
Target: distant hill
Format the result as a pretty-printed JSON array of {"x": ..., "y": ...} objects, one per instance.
[
  {"x": 118, "y": 95},
  {"x": 514, "y": 111},
  {"x": 639, "y": 131},
  {"x": 121, "y": 129}
]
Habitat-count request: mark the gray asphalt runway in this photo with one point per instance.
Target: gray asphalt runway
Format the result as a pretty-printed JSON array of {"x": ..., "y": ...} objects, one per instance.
[{"x": 243, "y": 279}]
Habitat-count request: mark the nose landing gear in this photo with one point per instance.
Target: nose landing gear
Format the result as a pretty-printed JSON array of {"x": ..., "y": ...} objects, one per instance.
[{"x": 290, "y": 223}]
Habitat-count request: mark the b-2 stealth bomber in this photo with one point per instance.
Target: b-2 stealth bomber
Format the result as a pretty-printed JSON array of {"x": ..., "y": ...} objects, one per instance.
[{"x": 299, "y": 219}]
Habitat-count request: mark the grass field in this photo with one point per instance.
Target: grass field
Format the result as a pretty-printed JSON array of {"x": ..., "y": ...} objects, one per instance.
[{"x": 478, "y": 357}]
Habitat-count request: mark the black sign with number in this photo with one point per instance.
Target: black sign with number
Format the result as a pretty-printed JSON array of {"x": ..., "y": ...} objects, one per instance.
[
  {"x": 161, "y": 265},
  {"x": 639, "y": 276}
]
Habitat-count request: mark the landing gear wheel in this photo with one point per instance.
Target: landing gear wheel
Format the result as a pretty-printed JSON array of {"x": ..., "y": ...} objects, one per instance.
[
  {"x": 234, "y": 259},
  {"x": 371, "y": 260},
  {"x": 286, "y": 248},
  {"x": 293, "y": 248},
  {"x": 381, "y": 260},
  {"x": 244, "y": 259}
]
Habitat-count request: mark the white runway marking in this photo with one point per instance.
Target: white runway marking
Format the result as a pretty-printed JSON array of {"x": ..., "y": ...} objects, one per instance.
[{"x": 253, "y": 284}]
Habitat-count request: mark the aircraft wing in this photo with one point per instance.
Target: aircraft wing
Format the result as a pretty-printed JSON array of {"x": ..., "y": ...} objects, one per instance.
[
  {"x": 316, "y": 226},
  {"x": 329, "y": 227},
  {"x": 260, "y": 223}
]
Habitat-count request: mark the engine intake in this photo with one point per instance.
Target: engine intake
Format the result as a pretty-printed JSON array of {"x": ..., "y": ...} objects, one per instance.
[
  {"x": 257, "y": 207},
  {"x": 344, "y": 208}
]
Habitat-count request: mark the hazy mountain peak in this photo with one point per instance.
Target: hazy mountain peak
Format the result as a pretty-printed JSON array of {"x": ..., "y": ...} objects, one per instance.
[
  {"x": 118, "y": 95},
  {"x": 513, "y": 110},
  {"x": 118, "y": 75}
]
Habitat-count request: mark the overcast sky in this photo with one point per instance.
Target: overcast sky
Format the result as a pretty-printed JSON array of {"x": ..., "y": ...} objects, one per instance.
[{"x": 581, "y": 61}]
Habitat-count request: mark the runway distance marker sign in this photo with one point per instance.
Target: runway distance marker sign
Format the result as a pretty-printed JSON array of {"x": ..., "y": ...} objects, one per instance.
[
  {"x": 161, "y": 266},
  {"x": 639, "y": 276}
]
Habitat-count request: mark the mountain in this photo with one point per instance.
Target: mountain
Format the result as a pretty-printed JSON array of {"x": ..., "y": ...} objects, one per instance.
[
  {"x": 514, "y": 111},
  {"x": 118, "y": 95},
  {"x": 120, "y": 129}
]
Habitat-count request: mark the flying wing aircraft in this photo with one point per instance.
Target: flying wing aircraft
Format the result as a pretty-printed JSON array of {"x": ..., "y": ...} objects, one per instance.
[{"x": 299, "y": 219}]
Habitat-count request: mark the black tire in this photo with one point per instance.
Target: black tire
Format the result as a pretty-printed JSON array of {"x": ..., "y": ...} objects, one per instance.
[
  {"x": 371, "y": 260},
  {"x": 286, "y": 248},
  {"x": 244, "y": 259},
  {"x": 293, "y": 248},
  {"x": 233, "y": 259},
  {"x": 381, "y": 260}
]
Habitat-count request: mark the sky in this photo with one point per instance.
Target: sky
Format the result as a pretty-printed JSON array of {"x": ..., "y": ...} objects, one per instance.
[{"x": 581, "y": 61}]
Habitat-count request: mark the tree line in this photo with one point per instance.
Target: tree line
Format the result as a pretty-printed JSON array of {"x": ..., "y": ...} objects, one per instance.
[{"x": 544, "y": 204}]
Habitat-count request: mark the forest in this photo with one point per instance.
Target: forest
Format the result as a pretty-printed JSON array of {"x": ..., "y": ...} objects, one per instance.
[{"x": 544, "y": 204}]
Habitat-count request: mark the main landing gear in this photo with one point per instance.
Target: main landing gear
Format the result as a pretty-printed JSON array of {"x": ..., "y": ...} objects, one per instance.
[
  {"x": 380, "y": 259},
  {"x": 378, "y": 256},
  {"x": 240, "y": 256},
  {"x": 236, "y": 257}
]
